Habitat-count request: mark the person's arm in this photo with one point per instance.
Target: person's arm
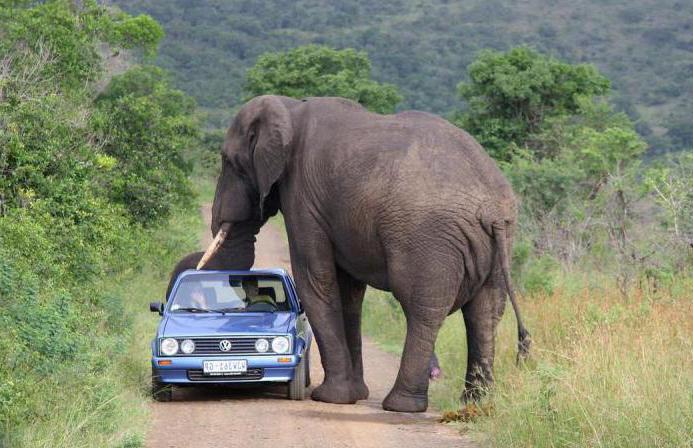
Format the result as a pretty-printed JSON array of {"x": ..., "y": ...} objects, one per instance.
[{"x": 264, "y": 299}]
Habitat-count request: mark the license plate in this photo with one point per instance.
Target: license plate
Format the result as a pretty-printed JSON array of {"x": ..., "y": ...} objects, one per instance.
[{"x": 225, "y": 367}]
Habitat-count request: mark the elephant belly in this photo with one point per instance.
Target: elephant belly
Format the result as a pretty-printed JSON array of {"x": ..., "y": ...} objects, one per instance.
[{"x": 364, "y": 260}]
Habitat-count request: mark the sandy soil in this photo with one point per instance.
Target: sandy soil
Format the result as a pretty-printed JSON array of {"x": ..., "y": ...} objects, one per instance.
[{"x": 263, "y": 417}]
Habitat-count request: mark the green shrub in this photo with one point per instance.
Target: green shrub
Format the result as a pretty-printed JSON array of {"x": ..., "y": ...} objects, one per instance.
[
  {"x": 317, "y": 70},
  {"x": 146, "y": 127},
  {"x": 68, "y": 234},
  {"x": 540, "y": 276}
]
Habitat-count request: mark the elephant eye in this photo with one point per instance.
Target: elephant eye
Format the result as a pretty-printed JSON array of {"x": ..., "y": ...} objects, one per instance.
[
  {"x": 229, "y": 162},
  {"x": 226, "y": 161}
]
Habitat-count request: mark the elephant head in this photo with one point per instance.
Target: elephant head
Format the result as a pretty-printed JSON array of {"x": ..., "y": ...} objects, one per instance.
[{"x": 254, "y": 158}]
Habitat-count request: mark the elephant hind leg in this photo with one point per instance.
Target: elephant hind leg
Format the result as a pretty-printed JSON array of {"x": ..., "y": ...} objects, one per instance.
[
  {"x": 410, "y": 392},
  {"x": 481, "y": 316},
  {"x": 351, "y": 292}
]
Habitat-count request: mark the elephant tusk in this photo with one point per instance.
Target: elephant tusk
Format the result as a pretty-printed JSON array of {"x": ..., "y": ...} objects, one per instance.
[{"x": 216, "y": 244}]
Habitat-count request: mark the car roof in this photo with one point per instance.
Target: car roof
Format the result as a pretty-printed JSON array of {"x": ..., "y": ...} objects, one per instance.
[{"x": 272, "y": 271}]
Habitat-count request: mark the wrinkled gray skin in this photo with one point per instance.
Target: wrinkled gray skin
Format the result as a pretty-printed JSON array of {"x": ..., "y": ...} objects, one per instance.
[{"x": 405, "y": 203}]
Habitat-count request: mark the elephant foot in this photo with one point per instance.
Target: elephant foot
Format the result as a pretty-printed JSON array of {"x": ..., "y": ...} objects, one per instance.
[
  {"x": 399, "y": 402},
  {"x": 473, "y": 394},
  {"x": 360, "y": 390},
  {"x": 330, "y": 392}
]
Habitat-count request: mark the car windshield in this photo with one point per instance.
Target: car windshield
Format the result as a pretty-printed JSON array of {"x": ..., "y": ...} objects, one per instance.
[{"x": 224, "y": 293}]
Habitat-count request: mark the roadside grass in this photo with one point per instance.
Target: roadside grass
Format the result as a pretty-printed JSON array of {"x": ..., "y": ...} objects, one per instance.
[
  {"x": 204, "y": 183},
  {"x": 604, "y": 371},
  {"x": 100, "y": 399}
]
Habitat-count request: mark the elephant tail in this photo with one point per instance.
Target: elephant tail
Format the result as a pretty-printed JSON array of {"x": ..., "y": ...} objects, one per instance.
[{"x": 524, "y": 339}]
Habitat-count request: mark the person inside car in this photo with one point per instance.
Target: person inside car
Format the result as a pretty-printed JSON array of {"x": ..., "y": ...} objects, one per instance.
[
  {"x": 198, "y": 298},
  {"x": 254, "y": 300},
  {"x": 195, "y": 299}
]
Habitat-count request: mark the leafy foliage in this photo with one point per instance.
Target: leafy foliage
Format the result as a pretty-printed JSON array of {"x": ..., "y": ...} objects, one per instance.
[
  {"x": 70, "y": 35},
  {"x": 146, "y": 126},
  {"x": 79, "y": 179},
  {"x": 511, "y": 95},
  {"x": 541, "y": 118},
  {"x": 577, "y": 170},
  {"x": 671, "y": 185},
  {"x": 321, "y": 71}
]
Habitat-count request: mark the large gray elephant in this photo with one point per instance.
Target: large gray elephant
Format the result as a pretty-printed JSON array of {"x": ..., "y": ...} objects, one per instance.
[{"x": 405, "y": 203}]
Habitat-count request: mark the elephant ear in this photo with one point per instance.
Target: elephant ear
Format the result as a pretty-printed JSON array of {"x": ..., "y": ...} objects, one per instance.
[{"x": 274, "y": 133}]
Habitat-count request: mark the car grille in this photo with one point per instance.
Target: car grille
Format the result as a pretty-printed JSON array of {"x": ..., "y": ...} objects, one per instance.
[
  {"x": 210, "y": 346},
  {"x": 249, "y": 375}
]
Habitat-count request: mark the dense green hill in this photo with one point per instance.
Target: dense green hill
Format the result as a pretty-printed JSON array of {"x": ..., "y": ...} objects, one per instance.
[{"x": 424, "y": 46}]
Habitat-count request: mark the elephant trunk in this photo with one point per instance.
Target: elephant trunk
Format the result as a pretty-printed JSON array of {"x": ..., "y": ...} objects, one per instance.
[{"x": 233, "y": 247}]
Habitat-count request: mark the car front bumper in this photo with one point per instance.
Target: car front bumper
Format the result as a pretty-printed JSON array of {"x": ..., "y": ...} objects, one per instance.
[{"x": 187, "y": 369}]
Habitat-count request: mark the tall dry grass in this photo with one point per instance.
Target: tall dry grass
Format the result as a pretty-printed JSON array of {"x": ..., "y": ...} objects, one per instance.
[{"x": 605, "y": 371}]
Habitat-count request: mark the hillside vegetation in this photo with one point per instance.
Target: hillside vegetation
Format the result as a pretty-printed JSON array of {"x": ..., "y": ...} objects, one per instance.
[{"x": 644, "y": 46}]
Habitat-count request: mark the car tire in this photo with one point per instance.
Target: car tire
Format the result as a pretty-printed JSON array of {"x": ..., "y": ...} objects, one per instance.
[
  {"x": 297, "y": 386},
  {"x": 161, "y": 391},
  {"x": 307, "y": 356}
]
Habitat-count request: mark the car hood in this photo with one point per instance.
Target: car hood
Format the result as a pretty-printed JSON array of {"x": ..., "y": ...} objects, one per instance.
[{"x": 218, "y": 324}]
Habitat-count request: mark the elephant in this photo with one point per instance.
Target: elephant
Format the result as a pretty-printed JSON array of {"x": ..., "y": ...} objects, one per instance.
[{"x": 406, "y": 203}]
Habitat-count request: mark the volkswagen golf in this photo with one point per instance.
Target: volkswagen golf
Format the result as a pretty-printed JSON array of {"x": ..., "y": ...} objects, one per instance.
[{"x": 222, "y": 327}]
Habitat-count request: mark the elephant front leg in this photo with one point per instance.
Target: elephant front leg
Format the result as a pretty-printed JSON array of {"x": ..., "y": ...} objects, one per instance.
[
  {"x": 352, "y": 292},
  {"x": 480, "y": 319},
  {"x": 316, "y": 281}
]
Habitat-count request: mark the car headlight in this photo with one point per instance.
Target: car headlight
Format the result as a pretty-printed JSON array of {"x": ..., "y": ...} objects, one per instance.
[
  {"x": 169, "y": 347},
  {"x": 261, "y": 345},
  {"x": 280, "y": 344},
  {"x": 187, "y": 346}
]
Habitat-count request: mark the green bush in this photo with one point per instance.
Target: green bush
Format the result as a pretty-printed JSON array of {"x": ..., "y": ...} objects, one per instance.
[
  {"x": 315, "y": 70},
  {"x": 540, "y": 276},
  {"x": 510, "y": 95},
  {"x": 146, "y": 127},
  {"x": 74, "y": 204}
]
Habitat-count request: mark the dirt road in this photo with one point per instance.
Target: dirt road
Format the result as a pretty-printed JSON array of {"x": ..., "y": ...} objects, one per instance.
[{"x": 263, "y": 417}]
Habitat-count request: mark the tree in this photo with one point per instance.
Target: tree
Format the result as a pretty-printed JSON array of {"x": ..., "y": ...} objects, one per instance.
[
  {"x": 72, "y": 34},
  {"x": 671, "y": 185},
  {"x": 511, "y": 95},
  {"x": 315, "y": 70},
  {"x": 146, "y": 126}
]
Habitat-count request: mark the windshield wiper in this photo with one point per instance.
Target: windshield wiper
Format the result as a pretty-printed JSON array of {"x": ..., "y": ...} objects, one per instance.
[
  {"x": 193, "y": 309},
  {"x": 228, "y": 310}
]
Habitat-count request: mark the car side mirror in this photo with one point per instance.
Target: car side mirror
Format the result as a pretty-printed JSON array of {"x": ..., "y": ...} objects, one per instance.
[{"x": 156, "y": 307}]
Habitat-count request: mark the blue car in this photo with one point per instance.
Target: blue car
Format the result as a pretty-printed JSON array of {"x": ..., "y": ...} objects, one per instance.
[{"x": 222, "y": 327}]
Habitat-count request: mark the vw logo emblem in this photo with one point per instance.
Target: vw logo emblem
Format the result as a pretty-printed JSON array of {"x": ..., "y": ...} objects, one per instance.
[{"x": 224, "y": 345}]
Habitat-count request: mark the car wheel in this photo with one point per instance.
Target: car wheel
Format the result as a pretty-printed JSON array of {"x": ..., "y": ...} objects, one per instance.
[
  {"x": 307, "y": 367},
  {"x": 297, "y": 386},
  {"x": 161, "y": 391}
]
